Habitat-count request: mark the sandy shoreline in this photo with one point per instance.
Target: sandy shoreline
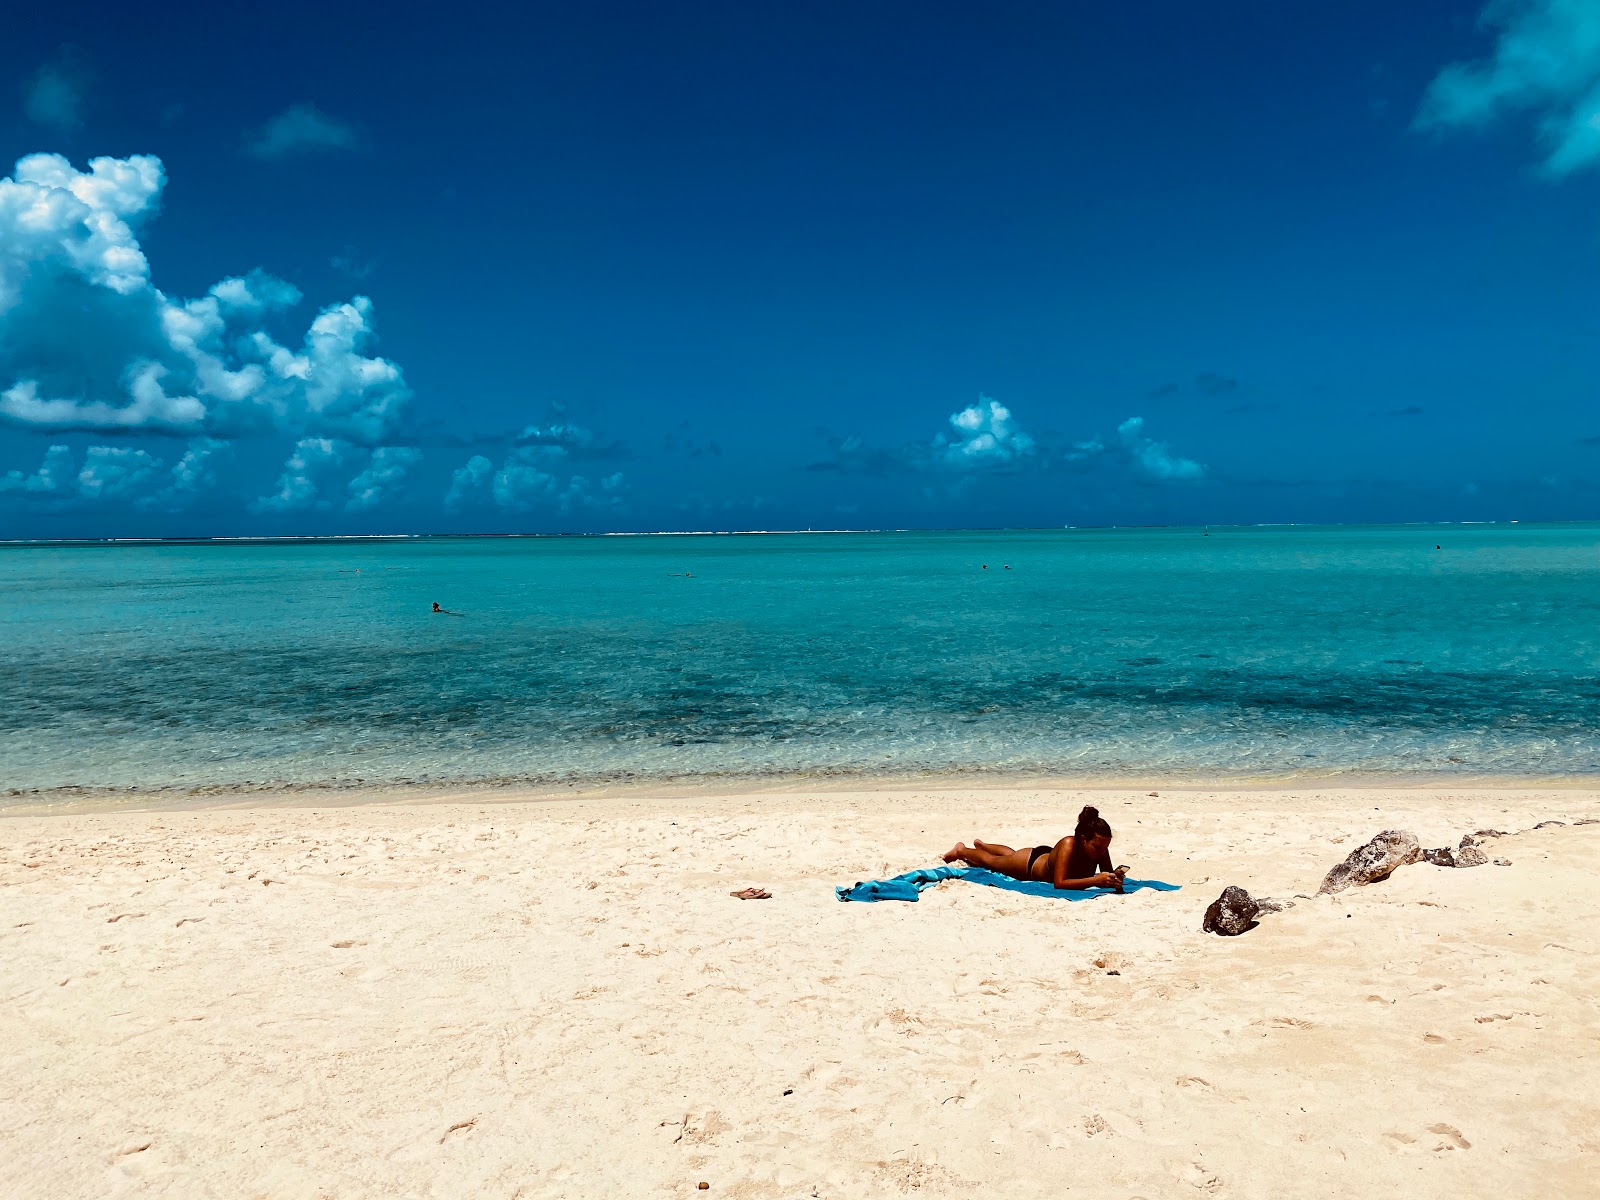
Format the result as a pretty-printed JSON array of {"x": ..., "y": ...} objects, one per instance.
[
  {"x": 559, "y": 998},
  {"x": 85, "y": 800}
]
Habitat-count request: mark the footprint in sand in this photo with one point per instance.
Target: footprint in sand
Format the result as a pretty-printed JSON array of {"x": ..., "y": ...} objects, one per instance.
[
  {"x": 1449, "y": 1138},
  {"x": 1196, "y": 1176}
]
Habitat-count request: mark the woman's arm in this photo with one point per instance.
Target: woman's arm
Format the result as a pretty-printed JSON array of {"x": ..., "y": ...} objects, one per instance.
[{"x": 1061, "y": 859}]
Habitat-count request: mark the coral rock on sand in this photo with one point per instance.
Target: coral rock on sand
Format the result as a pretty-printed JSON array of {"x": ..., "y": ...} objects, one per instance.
[
  {"x": 1272, "y": 906},
  {"x": 1231, "y": 913},
  {"x": 1377, "y": 860},
  {"x": 1468, "y": 854}
]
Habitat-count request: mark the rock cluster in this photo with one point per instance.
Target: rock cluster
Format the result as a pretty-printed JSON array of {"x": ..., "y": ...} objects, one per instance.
[
  {"x": 1468, "y": 854},
  {"x": 1378, "y": 859},
  {"x": 1231, "y": 913},
  {"x": 1235, "y": 911}
]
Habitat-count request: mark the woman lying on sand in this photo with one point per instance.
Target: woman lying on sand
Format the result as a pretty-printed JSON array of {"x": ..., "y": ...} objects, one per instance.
[{"x": 1071, "y": 864}]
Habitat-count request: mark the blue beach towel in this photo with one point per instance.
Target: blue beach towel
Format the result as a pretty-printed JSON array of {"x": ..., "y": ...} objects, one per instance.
[{"x": 907, "y": 886}]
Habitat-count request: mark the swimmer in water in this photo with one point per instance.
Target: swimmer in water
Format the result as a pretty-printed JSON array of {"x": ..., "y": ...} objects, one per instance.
[{"x": 444, "y": 611}]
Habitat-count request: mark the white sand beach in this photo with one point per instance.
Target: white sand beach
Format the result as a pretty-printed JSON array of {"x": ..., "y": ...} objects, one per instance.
[{"x": 481, "y": 997}]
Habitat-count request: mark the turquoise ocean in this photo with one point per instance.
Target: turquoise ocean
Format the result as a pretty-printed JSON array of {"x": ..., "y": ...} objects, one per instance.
[{"x": 1288, "y": 652}]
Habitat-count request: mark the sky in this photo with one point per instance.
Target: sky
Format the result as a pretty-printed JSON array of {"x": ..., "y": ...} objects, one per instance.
[{"x": 293, "y": 269}]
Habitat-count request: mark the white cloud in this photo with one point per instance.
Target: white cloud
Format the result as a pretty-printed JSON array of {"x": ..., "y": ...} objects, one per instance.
[
  {"x": 117, "y": 474},
  {"x": 1546, "y": 62},
  {"x": 987, "y": 438},
  {"x": 301, "y": 129},
  {"x": 470, "y": 485},
  {"x": 1154, "y": 458},
  {"x": 90, "y": 343},
  {"x": 298, "y": 486},
  {"x": 985, "y": 433},
  {"x": 384, "y": 476},
  {"x": 55, "y": 93},
  {"x": 522, "y": 484},
  {"x": 51, "y": 479}
]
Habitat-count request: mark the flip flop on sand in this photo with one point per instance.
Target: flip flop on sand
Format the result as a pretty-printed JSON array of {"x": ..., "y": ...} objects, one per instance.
[{"x": 752, "y": 893}]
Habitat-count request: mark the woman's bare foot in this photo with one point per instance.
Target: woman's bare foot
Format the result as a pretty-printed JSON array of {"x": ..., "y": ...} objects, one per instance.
[{"x": 956, "y": 854}]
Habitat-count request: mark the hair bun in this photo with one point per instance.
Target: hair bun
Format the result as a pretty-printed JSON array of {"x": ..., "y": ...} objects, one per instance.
[{"x": 1091, "y": 823}]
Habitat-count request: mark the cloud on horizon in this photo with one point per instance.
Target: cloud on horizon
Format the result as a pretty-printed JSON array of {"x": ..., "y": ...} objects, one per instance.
[
  {"x": 985, "y": 434},
  {"x": 1545, "y": 62},
  {"x": 988, "y": 440},
  {"x": 301, "y": 129},
  {"x": 114, "y": 474},
  {"x": 299, "y": 487},
  {"x": 529, "y": 479},
  {"x": 1155, "y": 459},
  {"x": 383, "y": 479},
  {"x": 89, "y": 343}
]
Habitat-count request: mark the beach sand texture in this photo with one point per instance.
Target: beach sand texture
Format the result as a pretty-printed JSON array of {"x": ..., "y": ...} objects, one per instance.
[{"x": 484, "y": 998}]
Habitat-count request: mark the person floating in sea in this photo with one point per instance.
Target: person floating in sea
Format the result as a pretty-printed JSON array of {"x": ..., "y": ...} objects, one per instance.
[
  {"x": 1080, "y": 861},
  {"x": 445, "y": 611}
]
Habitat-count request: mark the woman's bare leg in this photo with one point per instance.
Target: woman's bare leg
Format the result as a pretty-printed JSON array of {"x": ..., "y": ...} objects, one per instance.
[
  {"x": 1001, "y": 859},
  {"x": 979, "y": 854}
]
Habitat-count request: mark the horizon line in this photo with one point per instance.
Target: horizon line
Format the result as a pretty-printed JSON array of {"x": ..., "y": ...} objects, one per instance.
[{"x": 263, "y": 539}]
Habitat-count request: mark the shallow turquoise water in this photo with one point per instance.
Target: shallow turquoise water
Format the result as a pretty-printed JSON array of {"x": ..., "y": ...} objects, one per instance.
[{"x": 1105, "y": 652}]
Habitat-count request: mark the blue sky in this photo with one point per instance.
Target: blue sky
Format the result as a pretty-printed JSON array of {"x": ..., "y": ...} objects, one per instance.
[{"x": 628, "y": 266}]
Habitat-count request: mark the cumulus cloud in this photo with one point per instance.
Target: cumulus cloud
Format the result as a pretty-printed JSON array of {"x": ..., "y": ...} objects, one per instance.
[
  {"x": 563, "y": 439},
  {"x": 526, "y": 482},
  {"x": 383, "y": 478},
  {"x": 985, "y": 434},
  {"x": 301, "y": 129},
  {"x": 1545, "y": 62},
  {"x": 987, "y": 438},
  {"x": 470, "y": 485},
  {"x": 55, "y": 93},
  {"x": 312, "y": 460},
  {"x": 1155, "y": 459},
  {"x": 87, "y": 342},
  {"x": 117, "y": 474}
]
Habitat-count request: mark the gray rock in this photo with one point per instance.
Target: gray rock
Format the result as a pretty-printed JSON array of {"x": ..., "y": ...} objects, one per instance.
[
  {"x": 1377, "y": 860},
  {"x": 1272, "y": 906},
  {"x": 1483, "y": 833},
  {"x": 1502, "y": 862},
  {"x": 1468, "y": 854},
  {"x": 1231, "y": 913}
]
